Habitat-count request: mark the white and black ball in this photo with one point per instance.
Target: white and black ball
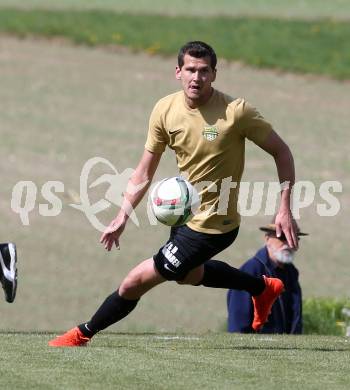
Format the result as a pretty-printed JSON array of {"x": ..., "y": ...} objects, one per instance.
[{"x": 174, "y": 201}]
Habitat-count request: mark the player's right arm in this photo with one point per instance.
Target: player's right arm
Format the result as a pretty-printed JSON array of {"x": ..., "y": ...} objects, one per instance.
[
  {"x": 136, "y": 189},
  {"x": 142, "y": 177}
]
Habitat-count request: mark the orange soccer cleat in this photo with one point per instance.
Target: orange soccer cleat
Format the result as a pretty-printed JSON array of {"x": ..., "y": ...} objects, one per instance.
[
  {"x": 72, "y": 338},
  {"x": 263, "y": 302}
]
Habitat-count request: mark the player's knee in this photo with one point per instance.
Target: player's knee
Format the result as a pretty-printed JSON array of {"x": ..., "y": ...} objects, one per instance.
[{"x": 131, "y": 283}]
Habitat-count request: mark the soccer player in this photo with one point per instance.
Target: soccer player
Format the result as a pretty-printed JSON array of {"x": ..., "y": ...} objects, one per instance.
[
  {"x": 207, "y": 130},
  {"x": 8, "y": 270}
]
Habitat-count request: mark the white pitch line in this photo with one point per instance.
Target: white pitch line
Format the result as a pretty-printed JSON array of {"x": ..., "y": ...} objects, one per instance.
[{"x": 176, "y": 338}]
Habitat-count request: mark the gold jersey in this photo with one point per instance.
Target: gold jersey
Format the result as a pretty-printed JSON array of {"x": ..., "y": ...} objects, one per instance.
[{"x": 209, "y": 144}]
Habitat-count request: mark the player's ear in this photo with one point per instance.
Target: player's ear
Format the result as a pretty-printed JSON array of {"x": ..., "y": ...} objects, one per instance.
[
  {"x": 214, "y": 75},
  {"x": 178, "y": 73}
]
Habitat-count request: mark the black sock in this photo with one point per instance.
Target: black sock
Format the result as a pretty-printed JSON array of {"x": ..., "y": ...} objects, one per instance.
[
  {"x": 113, "y": 309},
  {"x": 218, "y": 274}
]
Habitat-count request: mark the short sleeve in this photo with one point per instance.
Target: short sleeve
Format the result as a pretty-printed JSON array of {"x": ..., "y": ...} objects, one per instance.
[
  {"x": 252, "y": 124},
  {"x": 156, "y": 137}
]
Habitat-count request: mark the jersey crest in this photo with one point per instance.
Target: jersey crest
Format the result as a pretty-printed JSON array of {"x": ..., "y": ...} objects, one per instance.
[{"x": 210, "y": 133}]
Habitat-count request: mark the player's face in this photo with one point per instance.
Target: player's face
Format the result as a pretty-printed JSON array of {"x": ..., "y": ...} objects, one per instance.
[{"x": 196, "y": 76}]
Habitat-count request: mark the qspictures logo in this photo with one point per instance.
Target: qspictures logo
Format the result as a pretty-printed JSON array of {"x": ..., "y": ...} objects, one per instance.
[{"x": 254, "y": 197}]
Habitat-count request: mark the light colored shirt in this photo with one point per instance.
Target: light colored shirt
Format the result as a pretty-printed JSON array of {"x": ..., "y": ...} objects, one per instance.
[{"x": 209, "y": 144}]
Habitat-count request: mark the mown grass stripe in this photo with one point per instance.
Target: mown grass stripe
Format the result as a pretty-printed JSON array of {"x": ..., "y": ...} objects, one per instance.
[{"x": 320, "y": 47}]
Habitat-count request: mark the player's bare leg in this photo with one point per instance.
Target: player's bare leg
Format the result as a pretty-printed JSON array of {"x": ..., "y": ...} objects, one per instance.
[{"x": 140, "y": 279}]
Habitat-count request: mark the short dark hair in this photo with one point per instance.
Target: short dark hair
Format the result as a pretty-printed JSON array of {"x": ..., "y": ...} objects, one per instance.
[{"x": 197, "y": 49}]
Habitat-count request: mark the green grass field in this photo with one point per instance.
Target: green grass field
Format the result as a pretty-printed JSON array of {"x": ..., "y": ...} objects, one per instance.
[
  {"x": 176, "y": 361},
  {"x": 61, "y": 105},
  {"x": 301, "y": 9},
  {"x": 319, "y": 47}
]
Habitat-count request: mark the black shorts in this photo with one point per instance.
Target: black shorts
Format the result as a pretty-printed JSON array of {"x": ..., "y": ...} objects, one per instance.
[{"x": 187, "y": 249}]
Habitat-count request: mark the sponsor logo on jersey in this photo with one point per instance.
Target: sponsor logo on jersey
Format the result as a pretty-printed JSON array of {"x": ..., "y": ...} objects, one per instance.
[{"x": 210, "y": 133}]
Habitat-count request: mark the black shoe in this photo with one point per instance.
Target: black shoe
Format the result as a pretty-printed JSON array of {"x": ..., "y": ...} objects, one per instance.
[{"x": 8, "y": 270}]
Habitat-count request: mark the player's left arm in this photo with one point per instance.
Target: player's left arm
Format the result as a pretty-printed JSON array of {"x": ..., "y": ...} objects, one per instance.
[{"x": 279, "y": 150}]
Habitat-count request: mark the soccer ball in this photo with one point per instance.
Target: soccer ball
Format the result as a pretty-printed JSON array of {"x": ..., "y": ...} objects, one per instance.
[{"x": 174, "y": 201}]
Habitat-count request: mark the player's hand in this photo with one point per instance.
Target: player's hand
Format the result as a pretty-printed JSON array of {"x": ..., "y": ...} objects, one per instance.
[
  {"x": 112, "y": 234},
  {"x": 285, "y": 223}
]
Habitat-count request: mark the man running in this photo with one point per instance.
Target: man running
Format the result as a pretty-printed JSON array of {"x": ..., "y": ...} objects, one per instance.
[{"x": 207, "y": 130}]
